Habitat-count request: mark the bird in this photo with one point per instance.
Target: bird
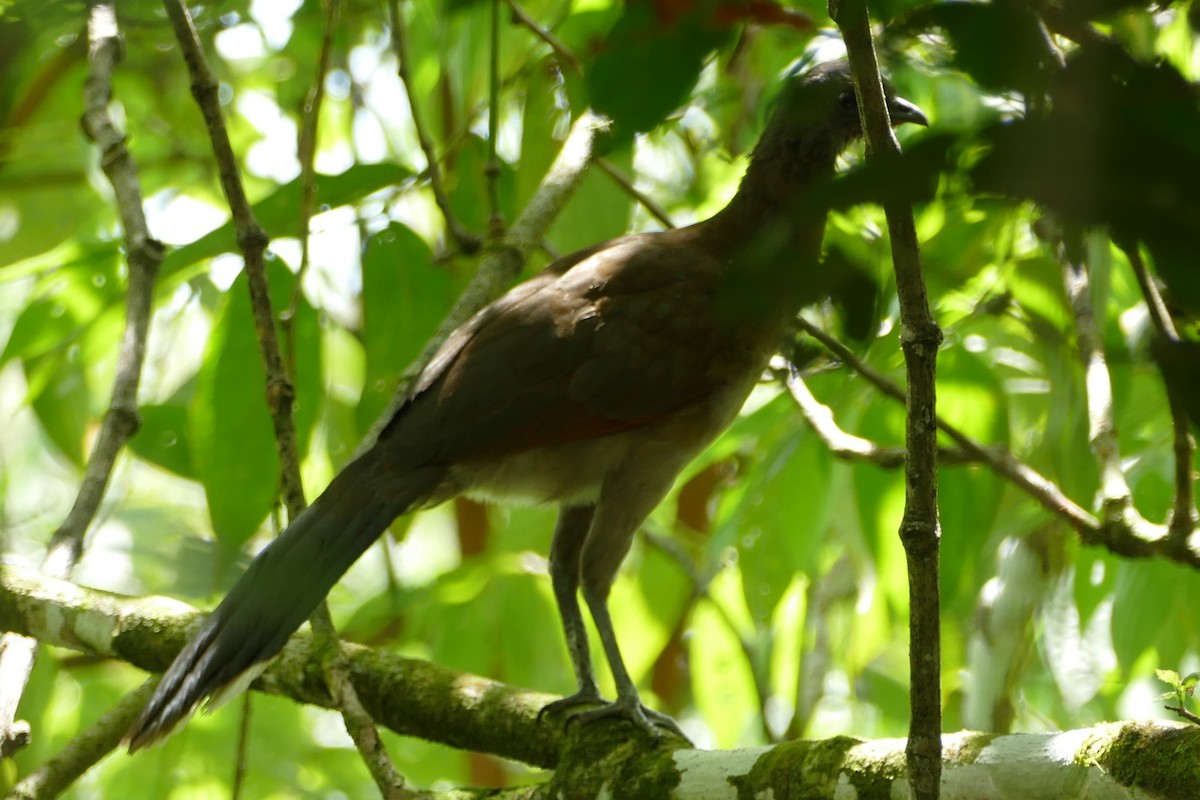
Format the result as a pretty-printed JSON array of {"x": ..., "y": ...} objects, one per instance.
[{"x": 591, "y": 386}]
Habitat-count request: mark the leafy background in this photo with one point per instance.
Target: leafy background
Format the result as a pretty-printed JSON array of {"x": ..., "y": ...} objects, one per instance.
[{"x": 768, "y": 598}]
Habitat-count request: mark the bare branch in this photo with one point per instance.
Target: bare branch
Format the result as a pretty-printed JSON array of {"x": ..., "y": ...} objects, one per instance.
[
  {"x": 252, "y": 240},
  {"x": 306, "y": 148},
  {"x": 467, "y": 242},
  {"x": 920, "y": 338},
  {"x": 1183, "y": 510},
  {"x": 144, "y": 254},
  {"x": 637, "y": 194},
  {"x": 563, "y": 52},
  {"x": 280, "y": 395}
]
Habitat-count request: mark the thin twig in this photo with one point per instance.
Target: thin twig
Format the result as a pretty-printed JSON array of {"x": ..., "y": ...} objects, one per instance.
[
  {"x": 1183, "y": 713},
  {"x": 1159, "y": 315},
  {"x": 920, "y": 338},
  {"x": 622, "y": 180},
  {"x": 846, "y": 445},
  {"x": 280, "y": 394},
  {"x": 492, "y": 171},
  {"x": 561, "y": 50},
  {"x": 1116, "y": 498},
  {"x": 144, "y": 254},
  {"x": 80, "y": 754},
  {"x": 995, "y": 457},
  {"x": 306, "y": 148},
  {"x": 1148, "y": 541},
  {"x": 700, "y": 591},
  {"x": 467, "y": 242},
  {"x": 1183, "y": 511},
  {"x": 835, "y": 585},
  {"x": 252, "y": 240},
  {"x": 245, "y": 712}
]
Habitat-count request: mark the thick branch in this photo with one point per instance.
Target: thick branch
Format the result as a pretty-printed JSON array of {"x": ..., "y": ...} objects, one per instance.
[{"x": 466, "y": 711}]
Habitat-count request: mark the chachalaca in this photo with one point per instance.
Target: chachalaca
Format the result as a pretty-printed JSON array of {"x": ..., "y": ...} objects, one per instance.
[{"x": 591, "y": 385}]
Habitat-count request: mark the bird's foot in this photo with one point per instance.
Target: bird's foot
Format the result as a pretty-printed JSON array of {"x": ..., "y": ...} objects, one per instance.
[
  {"x": 586, "y": 696},
  {"x": 651, "y": 722}
]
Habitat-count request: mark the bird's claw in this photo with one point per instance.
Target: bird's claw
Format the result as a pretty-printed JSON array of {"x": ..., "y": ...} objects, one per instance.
[
  {"x": 583, "y": 697},
  {"x": 649, "y": 721}
]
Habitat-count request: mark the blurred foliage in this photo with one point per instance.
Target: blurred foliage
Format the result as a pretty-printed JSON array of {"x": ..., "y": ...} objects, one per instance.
[{"x": 801, "y": 628}]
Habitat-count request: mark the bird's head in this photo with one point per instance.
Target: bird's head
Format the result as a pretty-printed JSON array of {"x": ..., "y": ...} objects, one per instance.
[{"x": 815, "y": 115}]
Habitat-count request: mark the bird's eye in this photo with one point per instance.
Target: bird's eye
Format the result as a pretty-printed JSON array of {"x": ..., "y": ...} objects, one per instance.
[{"x": 846, "y": 99}]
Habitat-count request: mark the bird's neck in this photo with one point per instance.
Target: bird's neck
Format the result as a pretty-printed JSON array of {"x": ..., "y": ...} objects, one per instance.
[
  {"x": 770, "y": 233},
  {"x": 777, "y": 189}
]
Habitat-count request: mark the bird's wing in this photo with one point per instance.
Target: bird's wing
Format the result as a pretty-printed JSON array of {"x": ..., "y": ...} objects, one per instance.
[{"x": 622, "y": 339}]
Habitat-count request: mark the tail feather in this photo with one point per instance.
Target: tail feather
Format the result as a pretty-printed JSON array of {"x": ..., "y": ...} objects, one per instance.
[{"x": 283, "y": 585}]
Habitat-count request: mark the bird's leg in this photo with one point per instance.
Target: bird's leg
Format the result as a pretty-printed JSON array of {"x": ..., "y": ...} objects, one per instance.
[
  {"x": 570, "y": 533},
  {"x": 628, "y": 703},
  {"x": 618, "y": 517}
]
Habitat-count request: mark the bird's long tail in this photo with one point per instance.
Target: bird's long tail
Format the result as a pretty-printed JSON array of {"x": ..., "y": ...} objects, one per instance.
[{"x": 279, "y": 591}]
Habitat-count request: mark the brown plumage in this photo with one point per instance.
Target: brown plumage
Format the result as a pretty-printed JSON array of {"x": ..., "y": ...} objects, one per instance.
[{"x": 591, "y": 385}]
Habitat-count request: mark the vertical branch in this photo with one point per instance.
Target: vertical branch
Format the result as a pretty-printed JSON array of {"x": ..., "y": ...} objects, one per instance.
[
  {"x": 1183, "y": 510},
  {"x": 467, "y": 242},
  {"x": 307, "y": 154},
  {"x": 495, "y": 219},
  {"x": 252, "y": 240},
  {"x": 144, "y": 254},
  {"x": 919, "y": 338},
  {"x": 1117, "y": 509}
]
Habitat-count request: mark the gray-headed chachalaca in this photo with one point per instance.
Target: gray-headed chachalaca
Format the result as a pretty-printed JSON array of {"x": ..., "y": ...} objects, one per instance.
[{"x": 590, "y": 385}]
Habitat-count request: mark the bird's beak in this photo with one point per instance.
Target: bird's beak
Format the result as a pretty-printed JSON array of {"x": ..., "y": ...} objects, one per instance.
[{"x": 900, "y": 110}]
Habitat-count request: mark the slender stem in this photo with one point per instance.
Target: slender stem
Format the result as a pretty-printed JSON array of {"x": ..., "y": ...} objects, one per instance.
[
  {"x": 629, "y": 188},
  {"x": 846, "y": 445},
  {"x": 307, "y": 154},
  {"x": 467, "y": 242},
  {"x": 495, "y": 218},
  {"x": 920, "y": 337},
  {"x": 1183, "y": 510},
  {"x": 280, "y": 394},
  {"x": 999, "y": 459},
  {"x": 252, "y": 241},
  {"x": 561, "y": 50},
  {"x": 121, "y": 420}
]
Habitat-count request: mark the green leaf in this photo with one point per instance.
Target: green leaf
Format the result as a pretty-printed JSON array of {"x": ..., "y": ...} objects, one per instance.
[
  {"x": 780, "y": 522},
  {"x": 163, "y": 439},
  {"x": 278, "y": 211},
  {"x": 68, "y": 300},
  {"x": 646, "y": 68},
  {"x": 63, "y": 401},
  {"x": 230, "y": 430},
  {"x": 598, "y": 209},
  {"x": 404, "y": 297}
]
